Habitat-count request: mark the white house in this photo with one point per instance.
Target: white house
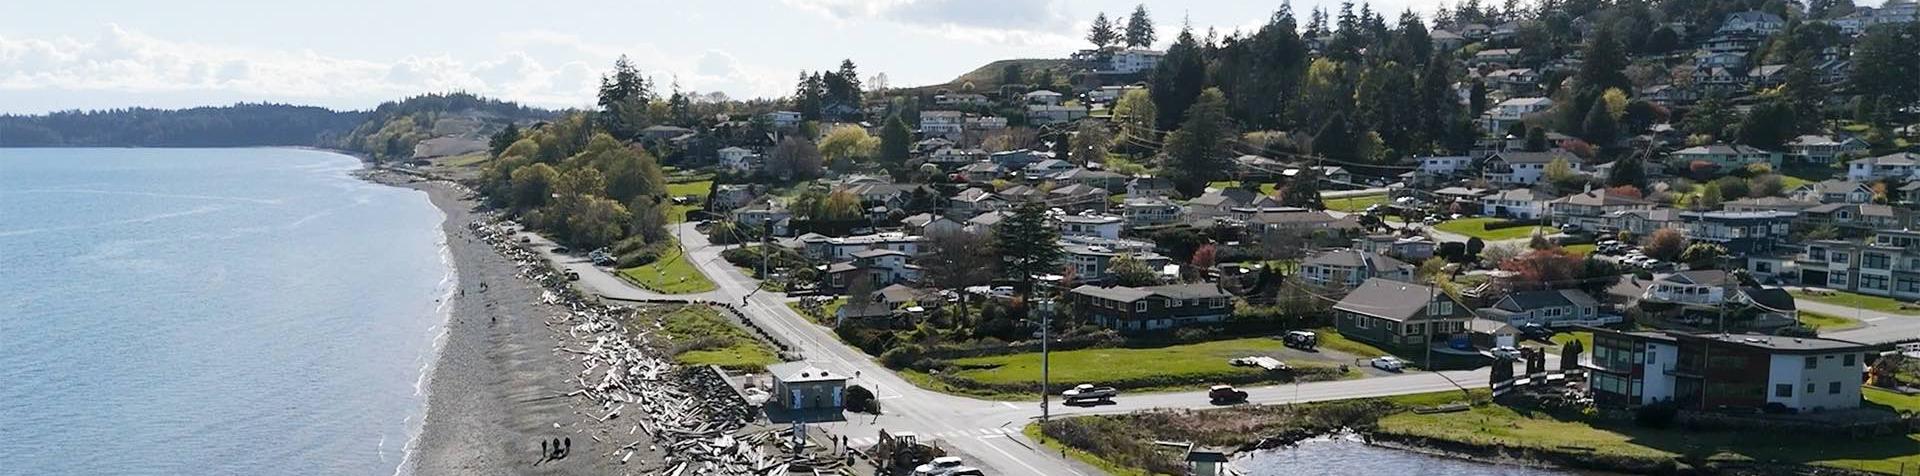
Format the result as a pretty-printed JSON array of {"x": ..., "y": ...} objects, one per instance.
[
  {"x": 784, "y": 119},
  {"x": 1823, "y": 149},
  {"x": 1512, "y": 111},
  {"x": 737, "y": 159},
  {"x": 1519, "y": 203},
  {"x": 1103, "y": 226},
  {"x": 1753, "y": 22},
  {"x": 1134, "y": 60},
  {"x": 1043, "y": 97},
  {"x": 1447, "y": 165},
  {"x": 948, "y": 124},
  {"x": 1523, "y": 168},
  {"x": 1900, "y": 166},
  {"x": 960, "y": 99},
  {"x": 1043, "y": 114}
]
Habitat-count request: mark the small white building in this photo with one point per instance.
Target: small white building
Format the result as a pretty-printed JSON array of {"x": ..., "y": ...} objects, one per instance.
[
  {"x": 1900, "y": 166},
  {"x": 737, "y": 159},
  {"x": 1134, "y": 60}
]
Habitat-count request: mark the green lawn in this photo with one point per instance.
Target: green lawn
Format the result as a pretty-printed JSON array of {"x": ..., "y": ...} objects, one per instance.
[
  {"x": 1158, "y": 367},
  {"x": 720, "y": 341},
  {"x": 671, "y": 274},
  {"x": 464, "y": 160},
  {"x": 1032, "y": 431},
  {"x": 1858, "y": 301},
  {"x": 1355, "y": 203},
  {"x": 1827, "y": 322},
  {"x": 826, "y": 311},
  {"x": 1496, "y": 424},
  {"x": 1579, "y": 250},
  {"x": 1331, "y": 339},
  {"x": 1477, "y": 227},
  {"x": 1266, "y": 188},
  {"x": 1584, "y": 337}
]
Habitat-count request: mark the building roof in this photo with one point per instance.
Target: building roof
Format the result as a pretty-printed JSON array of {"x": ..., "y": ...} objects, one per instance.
[
  {"x": 1518, "y": 195},
  {"x": 877, "y": 252},
  {"x": 1537, "y": 157},
  {"x": 1351, "y": 258},
  {"x": 1776, "y": 343},
  {"x": 1171, "y": 291},
  {"x": 792, "y": 372},
  {"x": 1530, "y": 300},
  {"x": 1894, "y": 159},
  {"x": 1699, "y": 277},
  {"x": 1389, "y": 299},
  {"x": 1526, "y": 101},
  {"x": 987, "y": 219},
  {"x": 1601, "y": 198},
  {"x": 1091, "y": 219}
]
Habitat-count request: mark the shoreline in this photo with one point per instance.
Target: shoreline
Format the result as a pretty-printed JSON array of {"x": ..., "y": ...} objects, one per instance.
[{"x": 490, "y": 385}]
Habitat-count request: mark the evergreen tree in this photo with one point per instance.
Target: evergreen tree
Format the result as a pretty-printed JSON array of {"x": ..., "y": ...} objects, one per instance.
[
  {"x": 1027, "y": 244},
  {"x": 1177, "y": 80},
  {"x": 1199, "y": 150},
  {"x": 808, "y": 95},
  {"x": 896, "y": 142},
  {"x": 1886, "y": 63},
  {"x": 1768, "y": 126},
  {"x": 1140, "y": 28},
  {"x": 1629, "y": 171},
  {"x": 1103, "y": 33},
  {"x": 623, "y": 100},
  {"x": 1604, "y": 66},
  {"x": 1413, "y": 45},
  {"x": 1317, "y": 23},
  {"x": 1337, "y": 140},
  {"x": 1805, "y": 94},
  {"x": 504, "y": 139},
  {"x": 1599, "y": 127}
]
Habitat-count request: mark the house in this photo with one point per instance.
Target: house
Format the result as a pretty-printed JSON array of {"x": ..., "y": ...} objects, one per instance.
[
  {"x": 1668, "y": 95},
  {"x": 1043, "y": 97},
  {"x": 1044, "y": 114},
  {"x": 983, "y": 171},
  {"x": 1824, "y": 149},
  {"x": 892, "y": 195},
  {"x": 1134, "y": 310},
  {"x": 1642, "y": 222},
  {"x": 1495, "y": 57},
  {"x": 1548, "y": 308},
  {"x": 664, "y": 132},
  {"x": 1347, "y": 268},
  {"x": 1076, "y": 198},
  {"x": 1701, "y": 288},
  {"x": 951, "y": 125},
  {"x": 1887, "y": 265},
  {"x": 1257, "y": 167},
  {"x": 1519, "y": 203},
  {"x": 1017, "y": 159},
  {"x": 1134, "y": 60},
  {"x": 947, "y": 156},
  {"x": 1399, "y": 314},
  {"x": 1415, "y": 248},
  {"x": 1503, "y": 116},
  {"x": 1149, "y": 211},
  {"x": 1834, "y": 191},
  {"x": 1271, "y": 222},
  {"x": 1334, "y": 173},
  {"x": 961, "y": 99},
  {"x": 737, "y": 159},
  {"x": 824, "y": 248},
  {"x": 975, "y": 201},
  {"x": 880, "y": 266},
  {"x": 758, "y": 216},
  {"x": 1445, "y": 166},
  {"x": 1515, "y": 81},
  {"x": 1506, "y": 31},
  {"x": 1045, "y": 169},
  {"x": 1589, "y": 210},
  {"x": 1726, "y": 156},
  {"x": 928, "y": 224},
  {"x": 1476, "y": 31},
  {"x": 1897, "y": 166},
  {"x": 1767, "y": 76},
  {"x": 1110, "y": 94},
  {"x": 1444, "y": 40},
  {"x": 1088, "y": 224},
  {"x": 1523, "y": 168},
  {"x": 783, "y": 119},
  {"x": 1718, "y": 371},
  {"x": 1094, "y": 178},
  {"x": 731, "y": 196},
  {"x": 1219, "y": 202},
  {"x": 984, "y": 124},
  {"x": 808, "y": 386},
  {"x": 984, "y": 223},
  {"x": 1753, "y": 22},
  {"x": 1739, "y": 232},
  {"x": 1856, "y": 216},
  {"x": 1094, "y": 263},
  {"x": 1768, "y": 204}
]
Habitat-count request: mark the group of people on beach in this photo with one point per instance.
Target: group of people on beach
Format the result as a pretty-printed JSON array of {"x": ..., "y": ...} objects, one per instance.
[{"x": 556, "y": 449}]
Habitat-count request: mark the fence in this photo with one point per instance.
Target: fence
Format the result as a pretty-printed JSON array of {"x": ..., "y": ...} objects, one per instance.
[{"x": 1575, "y": 375}]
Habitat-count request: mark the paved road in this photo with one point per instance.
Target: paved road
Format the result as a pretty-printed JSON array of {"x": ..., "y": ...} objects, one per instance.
[
  {"x": 987, "y": 432},
  {"x": 1881, "y": 327}
]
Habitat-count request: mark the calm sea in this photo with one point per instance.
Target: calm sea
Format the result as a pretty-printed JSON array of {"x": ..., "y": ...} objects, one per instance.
[{"x": 211, "y": 311}]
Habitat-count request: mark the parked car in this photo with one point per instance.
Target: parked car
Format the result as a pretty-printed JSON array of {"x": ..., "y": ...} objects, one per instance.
[
  {"x": 945, "y": 466},
  {"x": 1304, "y": 340},
  {"x": 562, "y": 250},
  {"x": 1224, "y": 394},
  {"x": 1087, "y": 391},
  {"x": 1505, "y": 352},
  {"x": 1388, "y": 363}
]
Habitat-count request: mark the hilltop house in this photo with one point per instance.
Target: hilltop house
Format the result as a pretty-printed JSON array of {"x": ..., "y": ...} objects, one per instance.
[
  {"x": 1502, "y": 116},
  {"x": 1399, "y": 314},
  {"x": 1753, "y": 22},
  {"x": 1897, "y": 166},
  {"x": 1519, "y": 203},
  {"x": 737, "y": 159},
  {"x": 1104, "y": 226},
  {"x": 1824, "y": 149},
  {"x": 1135, "y": 310},
  {"x": 1834, "y": 191},
  {"x": 1739, "y": 232},
  {"x": 1523, "y": 168},
  {"x": 1727, "y": 157},
  {"x": 1150, "y": 211}
]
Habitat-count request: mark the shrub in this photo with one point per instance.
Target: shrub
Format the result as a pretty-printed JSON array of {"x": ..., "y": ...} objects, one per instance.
[
  {"x": 1656, "y": 415},
  {"x": 861, "y": 400},
  {"x": 901, "y": 357}
]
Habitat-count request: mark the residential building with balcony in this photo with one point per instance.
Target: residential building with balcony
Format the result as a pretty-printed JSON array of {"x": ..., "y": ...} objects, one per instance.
[
  {"x": 1727, "y": 156},
  {"x": 1155, "y": 308},
  {"x": 1590, "y": 210},
  {"x": 1523, "y": 168},
  {"x": 1726, "y": 371},
  {"x": 1512, "y": 111},
  {"x": 1739, "y": 232},
  {"x": 1150, "y": 211},
  {"x": 1103, "y": 226},
  {"x": 1886, "y": 265},
  {"x": 1897, "y": 166},
  {"x": 1349, "y": 268}
]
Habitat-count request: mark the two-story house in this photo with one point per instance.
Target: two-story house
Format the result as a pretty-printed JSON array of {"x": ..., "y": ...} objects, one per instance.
[
  {"x": 1523, "y": 168},
  {"x": 880, "y": 267},
  {"x": 948, "y": 124},
  {"x": 1090, "y": 224},
  {"x": 1753, "y": 22},
  {"x": 831, "y": 249},
  {"x": 1739, "y": 232},
  {"x": 1150, "y": 211},
  {"x": 1414, "y": 248},
  {"x": 738, "y": 159},
  {"x": 1820, "y": 149},
  {"x": 1512, "y": 111},
  {"x": 1643, "y": 222},
  {"x": 1887, "y": 265},
  {"x": 1519, "y": 203},
  {"x": 1134, "y": 310},
  {"x": 1549, "y": 308},
  {"x": 1399, "y": 314},
  {"x": 1898, "y": 166},
  {"x": 1718, "y": 371},
  {"x": 1856, "y": 216},
  {"x": 974, "y": 201},
  {"x": 1590, "y": 210},
  {"x": 1833, "y": 191},
  {"x": 1348, "y": 268},
  {"x": 1495, "y": 58},
  {"x": 1221, "y": 202}
]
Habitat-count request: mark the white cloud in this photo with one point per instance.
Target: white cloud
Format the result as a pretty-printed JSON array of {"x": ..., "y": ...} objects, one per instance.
[
  {"x": 1020, "y": 23},
  {"x": 124, "y": 62}
]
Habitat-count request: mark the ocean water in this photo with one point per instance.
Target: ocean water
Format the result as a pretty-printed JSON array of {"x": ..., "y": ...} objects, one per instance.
[
  {"x": 212, "y": 311},
  {"x": 1346, "y": 455}
]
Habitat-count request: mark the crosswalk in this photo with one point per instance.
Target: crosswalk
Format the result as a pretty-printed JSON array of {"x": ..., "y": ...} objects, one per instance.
[{"x": 973, "y": 433}]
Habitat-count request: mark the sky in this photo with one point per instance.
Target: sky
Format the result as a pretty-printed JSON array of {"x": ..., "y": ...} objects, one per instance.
[{"x": 354, "y": 54}]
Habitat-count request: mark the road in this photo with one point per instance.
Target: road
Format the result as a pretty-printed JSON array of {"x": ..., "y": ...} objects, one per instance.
[
  {"x": 987, "y": 432},
  {"x": 1880, "y": 327}
]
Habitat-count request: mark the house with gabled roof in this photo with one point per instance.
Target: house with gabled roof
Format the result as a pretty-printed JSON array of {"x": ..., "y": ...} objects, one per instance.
[
  {"x": 1347, "y": 268},
  {"x": 1399, "y": 314},
  {"x": 1547, "y": 308},
  {"x": 1154, "y": 308},
  {"x": 1523, "y": 168},
  {"x": 1589, "y": 210}
]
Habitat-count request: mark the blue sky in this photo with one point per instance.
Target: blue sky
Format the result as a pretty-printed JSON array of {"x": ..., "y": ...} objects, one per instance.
[{"x": 58, "y": 55}]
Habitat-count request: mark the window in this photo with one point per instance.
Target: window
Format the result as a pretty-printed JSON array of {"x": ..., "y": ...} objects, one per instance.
[
  {"x": 1174, "y": 302},
  {"x": 1811, "y": 388},
  {"x": 1839, "y": 257},
  {"x": 1833, "y": 388},
  {"x": 1847, "y": 360},
  {"x": 1813, "y": 363},
  {"x": 1219, "y": 303},
  {"x": 1140, "y": 306},
  {"x": 1875, "y": 261},
  {"x": 1868, "y": 281},
  {"x": 1783, "y": 390}
]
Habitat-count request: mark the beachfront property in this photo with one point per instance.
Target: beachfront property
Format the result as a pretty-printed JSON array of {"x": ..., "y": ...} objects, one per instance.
[
  {"x": 1153, "y": 308},
  {"x": 1400, "y": 314},
  {"x": 1722, "y": 371}
]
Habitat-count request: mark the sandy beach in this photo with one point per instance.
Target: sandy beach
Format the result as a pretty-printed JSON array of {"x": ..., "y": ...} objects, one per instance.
[{"x": 498, "y": 387}]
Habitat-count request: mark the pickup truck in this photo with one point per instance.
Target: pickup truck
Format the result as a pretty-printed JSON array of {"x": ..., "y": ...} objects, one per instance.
[
  {"x": 1087, "y": 391},
  {"x": 1225, "y": 394}
]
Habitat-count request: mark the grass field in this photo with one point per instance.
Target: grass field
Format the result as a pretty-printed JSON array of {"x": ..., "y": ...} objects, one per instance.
[
  {"x": 1355, "y": 203},
  {"x": 1859, "y": 301},
  {"x": 1827, "y": 322},
  {"x": 1584, "y": 337},
  {"x": 826, "y": 310},
  {"x": 1496, "y": 424},
  {"x": 1580, "y": 250},
  {"x": 1332, "y": 340},
  {"x": 671, "y": 274},
  {"x": 1178, "y": 365},
  {"x": 1477, "y": 227},
  {"x": 1265, "y": 188},
  {"x": 720, "y": 342},
  {"x": 678, "y": 213}
]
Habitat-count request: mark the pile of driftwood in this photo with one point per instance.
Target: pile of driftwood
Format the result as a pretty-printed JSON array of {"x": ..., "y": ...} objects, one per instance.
[{"x": 690, "y": 415}]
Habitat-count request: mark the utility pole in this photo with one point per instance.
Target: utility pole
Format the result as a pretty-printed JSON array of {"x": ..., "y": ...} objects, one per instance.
[
  {"x": 1046, "y": 317},
  {"x": 766, "y": 237}
]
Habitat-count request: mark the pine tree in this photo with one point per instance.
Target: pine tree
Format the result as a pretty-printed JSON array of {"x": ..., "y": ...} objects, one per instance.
[
  {"x": 1337, "y": 140},
  {"x": 1199, "y": 150},
  {"x": 1599, "y": 127},
  {"x": 504, "y": 139},
  {"x": 896, "y": 142},
  {"x": 1140, "y": 32},
  {"x": 1177, "y": 80},
  {"x": 1028, "y": 246},
  {"x": 1628, "y": 171},
  {"x": 1103, "y": 33}
]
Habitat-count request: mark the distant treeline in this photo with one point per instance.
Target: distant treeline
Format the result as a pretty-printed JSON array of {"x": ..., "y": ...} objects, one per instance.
[
  {"x": 247, "y": 124},
  {"x": 227, "y": 126}
]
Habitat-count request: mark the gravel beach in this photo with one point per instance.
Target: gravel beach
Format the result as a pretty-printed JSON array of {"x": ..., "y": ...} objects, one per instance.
[{"x": 497, "y": 389}]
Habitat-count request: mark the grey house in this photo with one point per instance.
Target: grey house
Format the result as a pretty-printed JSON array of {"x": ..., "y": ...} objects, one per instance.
[{"x": 1398, "y": 314}]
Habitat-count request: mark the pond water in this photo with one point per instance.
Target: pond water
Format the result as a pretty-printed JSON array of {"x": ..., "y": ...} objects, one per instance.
[{"x": 1348, "y": 455}]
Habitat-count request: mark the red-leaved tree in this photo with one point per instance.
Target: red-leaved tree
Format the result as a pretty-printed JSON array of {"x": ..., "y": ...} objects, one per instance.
[{"x": 1545, "y": 268}]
